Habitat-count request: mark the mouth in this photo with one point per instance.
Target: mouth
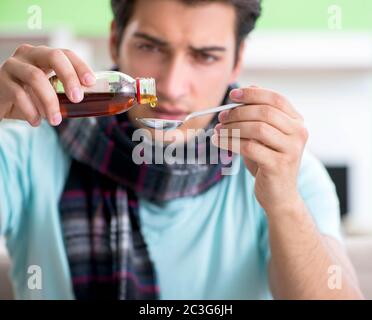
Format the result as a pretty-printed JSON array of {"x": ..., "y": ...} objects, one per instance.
[{"x": 169, "y": 113}]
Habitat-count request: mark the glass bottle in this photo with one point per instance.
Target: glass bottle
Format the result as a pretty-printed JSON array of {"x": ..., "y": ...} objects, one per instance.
[{"x": 113, "y": 93}]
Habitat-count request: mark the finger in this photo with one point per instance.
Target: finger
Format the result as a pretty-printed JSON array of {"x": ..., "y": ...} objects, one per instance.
[
  {"x": 251, "y": 150},
  {"x": 259, "y": 131},
  {"x": 55, "y": 59},
  {"x": 256, "y": 152},
  {"x": 35, "y": 100},
  {"x": 227, "y": 143},
  {"x": 263, "y": 113},
  {"x": 233, "y": 145},
  {"x": 254, "y": 95},
  {"x": 37, "y": 80},
  {"x": 84, "y": 72},
  {"x": 252, "y": 166},
  {"x": 23, "y": 108}
]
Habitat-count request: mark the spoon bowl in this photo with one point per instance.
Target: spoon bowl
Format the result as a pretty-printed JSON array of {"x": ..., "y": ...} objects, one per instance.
[
  {"x": 168, "y": 124},
  {"x": 161, "y": 124}
]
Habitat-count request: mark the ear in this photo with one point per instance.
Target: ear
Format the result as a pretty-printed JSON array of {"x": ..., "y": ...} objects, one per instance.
[
  {"x": 113, "y": 42},
  {"x": 239, "y": 63}
]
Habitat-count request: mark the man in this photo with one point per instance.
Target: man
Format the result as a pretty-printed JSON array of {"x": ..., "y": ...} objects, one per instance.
[{"x": 99, "y": 226}]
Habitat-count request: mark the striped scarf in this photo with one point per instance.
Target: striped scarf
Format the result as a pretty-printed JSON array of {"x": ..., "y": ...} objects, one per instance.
[{"x": 106, "y": 251}]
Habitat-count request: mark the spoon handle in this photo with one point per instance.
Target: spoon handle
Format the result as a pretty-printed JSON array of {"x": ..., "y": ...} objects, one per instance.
[{"x": 213, "y": 110}]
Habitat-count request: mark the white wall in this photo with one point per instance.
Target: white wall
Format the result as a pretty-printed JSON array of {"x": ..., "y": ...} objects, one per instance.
[{"x": 328, "y": 78}]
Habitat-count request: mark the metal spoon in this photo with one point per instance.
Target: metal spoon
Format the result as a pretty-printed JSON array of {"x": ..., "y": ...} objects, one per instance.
[{"x": 167, "y": 124}]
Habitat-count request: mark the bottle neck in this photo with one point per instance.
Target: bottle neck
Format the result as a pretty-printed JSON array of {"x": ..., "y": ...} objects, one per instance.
[{"x": 146, "y": 91}]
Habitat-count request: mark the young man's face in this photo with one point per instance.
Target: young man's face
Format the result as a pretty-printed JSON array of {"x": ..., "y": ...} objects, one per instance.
[{"x": 189, "y": 50}]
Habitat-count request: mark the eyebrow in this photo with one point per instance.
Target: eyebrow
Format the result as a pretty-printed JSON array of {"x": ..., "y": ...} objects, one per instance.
[
  {"x": 163, "y": 43},
  {"x": 152, "y": 39}
]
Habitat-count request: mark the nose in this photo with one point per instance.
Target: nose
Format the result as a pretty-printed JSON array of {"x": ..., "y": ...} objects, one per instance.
[{"x": 175, "y": 81}]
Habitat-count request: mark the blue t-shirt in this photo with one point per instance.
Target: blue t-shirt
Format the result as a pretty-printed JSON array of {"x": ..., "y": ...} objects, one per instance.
[{"x": 210, "y": 246}]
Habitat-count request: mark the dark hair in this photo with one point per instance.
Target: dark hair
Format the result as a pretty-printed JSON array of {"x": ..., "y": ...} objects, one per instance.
[{"x": 247, "y": 13}]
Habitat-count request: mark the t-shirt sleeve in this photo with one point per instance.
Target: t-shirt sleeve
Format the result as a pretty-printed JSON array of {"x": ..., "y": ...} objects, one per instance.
[{"x": 15, "y": 140}]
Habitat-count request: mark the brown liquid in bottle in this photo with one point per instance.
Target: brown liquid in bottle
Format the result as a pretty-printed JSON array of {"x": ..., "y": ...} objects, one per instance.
[{"x": 100, "y": 104}]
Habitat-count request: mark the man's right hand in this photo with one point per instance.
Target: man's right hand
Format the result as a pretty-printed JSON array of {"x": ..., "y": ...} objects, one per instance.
[{"x": 25, "y": 91}]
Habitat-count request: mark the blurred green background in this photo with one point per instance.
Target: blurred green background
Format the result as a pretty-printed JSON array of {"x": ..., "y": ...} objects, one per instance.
[{"x": 92, "y": 17}]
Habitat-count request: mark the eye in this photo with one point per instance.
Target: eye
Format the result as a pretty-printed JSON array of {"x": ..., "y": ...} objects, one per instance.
[
  {"x": 205, "y": 58},
  {"x": 147, "y": 47}
]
